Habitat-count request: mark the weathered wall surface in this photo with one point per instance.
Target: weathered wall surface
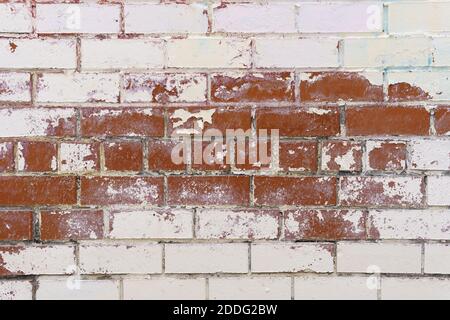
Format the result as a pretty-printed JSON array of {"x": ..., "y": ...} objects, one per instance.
[{"x": 353, "y": 204}]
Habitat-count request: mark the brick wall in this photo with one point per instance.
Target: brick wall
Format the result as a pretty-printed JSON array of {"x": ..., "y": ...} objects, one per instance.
[{"x": 353, "y": 204}]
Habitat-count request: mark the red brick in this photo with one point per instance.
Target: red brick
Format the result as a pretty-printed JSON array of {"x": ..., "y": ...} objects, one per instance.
[
  {"x": 16, "y": 225},
  {"x": 26, "y": 190},
  {"x": 261, "y": 87},
  {"x": 274, "y": 191},
  {"x": 6, "y": 156},
  {"x": 325, "y": 225},
  {"x": 382, "y": 120},
  {"x": 159, "y": 155},
  {"x": 296, "y": 122},
  {"x": 123, "y": 156},
  {"x": 335, "y": 86},
  {"x": 406, "y": 92},
  {"x": 209, "y": 162},
  {"x": 442, "y": 120},
  {"x": 221, "y": 119},
  {"x": 298, "y": 155},
  {"x": 341, "y": 156},
  {"x": 121, "y": 190},
  {"x": 37, "y": 156},
  {"x": 217, "y": 190},
  {"x": 386, "y": 155},
  {"x": 71, "y": 225},
  {"x": 382, "y": 191},
  {"x": 122, "y": 122}
]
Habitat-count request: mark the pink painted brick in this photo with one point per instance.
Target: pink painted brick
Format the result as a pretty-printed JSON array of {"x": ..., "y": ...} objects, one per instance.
[
  {"x": 347, "y": 17},
  {"x": 15, "y": 18},
  {"x": 254, "y": 18},
  {"x": 119, "y": 258},
  {"x": 292, "y": 257},
  {"x": 166, "y": 18},
  {"x": 237, "y": 224},
  {"x": 15, "y": 87},
  {"x": 382, "y": 191},
  {"x": 77, "y": 18},
  {"x": 156, "y": 224},
  {"x": 78, "y": 87},
  {"x": 22, "y": 53}
]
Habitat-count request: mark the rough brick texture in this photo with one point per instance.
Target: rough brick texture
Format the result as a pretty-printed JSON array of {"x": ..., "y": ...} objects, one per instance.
[{"x": 139, "y": 151}]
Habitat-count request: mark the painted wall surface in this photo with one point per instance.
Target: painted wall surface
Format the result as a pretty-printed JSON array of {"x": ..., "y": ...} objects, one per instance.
[{"x": 224, "y": 150}]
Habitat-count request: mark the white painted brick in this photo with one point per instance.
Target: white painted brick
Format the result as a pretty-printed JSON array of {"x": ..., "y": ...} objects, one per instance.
[
  {"x": 206, "y": 258},
  {"x": 255, "y": 18},
  {"x": 287, "y": 53},
  {"x": 75, "y": 289},
  {"x": 170, "y": 224},
  {"x": 166, "y": 18},
  {"x": 382, "y": 191},
  {"x": 415, "y": 289},
  {"x": 78, "y": 87},
  {"x": 177, "y": 87},
  {"x": 34, "y": 260},
  {"x": 164, "y": 289},
  {"x": 15, "y": 18},
  {"x": 439, "y": 191},
  {"x": 435, "y": 85},
  {"x": 334, "y": 288},
  {"x": 121, "y": 53},
  {"x": 250, "y": 288},
  {"x": 437, "y": 257},
  {"x": 227, "y": 224},
  {"x": 419, "y": 17},
  {"x": 209, "y": 53},
  {"x": 441, "y": 53},
  {"x": 292, "y": 257},
  {"x": 347, "y": 17},
  {"x": 37, "y": 53},
  {"x": 32, "y": 122},
  {"x": 385, "y": 257},
  {"x": 120, "y": 258},
  {"x": 77, "y": 18},
  {"x": 430, "y": 154},
  {"x": 77, "y": 157},
  {"x": 409, "y": 224},
  {"x": 15, "y": 87},
  {"x": 15, "y": 290},
  {"x": 385, "y": 52}
]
